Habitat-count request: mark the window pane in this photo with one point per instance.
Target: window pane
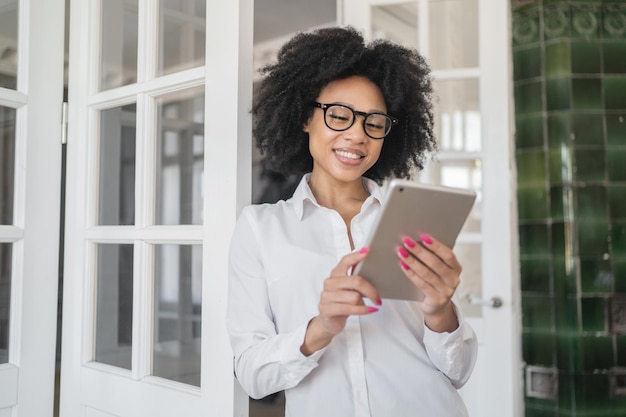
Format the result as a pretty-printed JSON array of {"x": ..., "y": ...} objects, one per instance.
[
  {"x": 453, "y": 33},
  {"x": 397, "y": 23},
  {"x": 457, "y": 115},
  {"x": 8, "y": 43},
  {"x": 182, "y": 36},
  {"x": 114, "y": 301},
  {"x": 469, "y": 255},
  {"x": 460, "y": 174},
  {"x": 6, "y": 250},
  {"x": 178, "y": 311},
  {"x": 119, "y": 43},
  {"x": 117, "y": 166},
  {"x": 7, "y": 164},
  {"x": 180, "y": 165}
]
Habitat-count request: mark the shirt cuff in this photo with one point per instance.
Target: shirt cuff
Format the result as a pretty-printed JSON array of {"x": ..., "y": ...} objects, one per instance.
[{"x": 294, "y": 361}]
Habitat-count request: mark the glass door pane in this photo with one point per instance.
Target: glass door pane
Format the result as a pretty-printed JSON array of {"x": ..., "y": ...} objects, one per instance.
[
  {"x": 5, "y": 298},
  {"x": 182, "y": 35},
  {"x": 7, "y": 164},
  {"x": 119, "y": 34},
  {"x": 8, "y": 44}
]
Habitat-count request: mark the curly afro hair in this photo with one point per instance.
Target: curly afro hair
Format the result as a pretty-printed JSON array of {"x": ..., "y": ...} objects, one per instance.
[{"x": 307, "y": 63}]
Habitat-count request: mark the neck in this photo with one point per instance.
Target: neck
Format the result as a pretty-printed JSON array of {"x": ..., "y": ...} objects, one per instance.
[{"x": 338, "y": 194}]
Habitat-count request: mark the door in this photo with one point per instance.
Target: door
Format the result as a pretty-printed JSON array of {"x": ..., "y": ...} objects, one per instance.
[
  {"x": 467, "y": 45},
  {"x": 31, "y": 95},
  {"x": 158, "y": 166}
]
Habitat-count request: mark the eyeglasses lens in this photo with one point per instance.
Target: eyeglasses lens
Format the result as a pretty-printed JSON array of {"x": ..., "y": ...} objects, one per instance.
[{"x": 341, "y": 118}]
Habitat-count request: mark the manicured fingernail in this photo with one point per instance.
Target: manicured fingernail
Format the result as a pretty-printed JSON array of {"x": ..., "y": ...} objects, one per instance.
[
  {"x": 426, "y": 239},
  {"x": 404, "y": 265},
  {"x": 372, "y": 309},
  {"x": 379, "y": 302},
  {"x": 409, "y": 242},
  {"x": 403, "y": 252},
  {"x": 364, "y": 250}
]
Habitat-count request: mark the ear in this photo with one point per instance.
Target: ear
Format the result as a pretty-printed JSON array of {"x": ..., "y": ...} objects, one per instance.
[{"x": 305, "y": 127}]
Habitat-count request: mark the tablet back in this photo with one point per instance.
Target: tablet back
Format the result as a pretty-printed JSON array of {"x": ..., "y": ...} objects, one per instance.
[{"x": 411, "y": 209}]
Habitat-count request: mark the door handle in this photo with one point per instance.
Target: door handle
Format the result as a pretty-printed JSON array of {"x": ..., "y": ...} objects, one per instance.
[{"x": 493, "y": 302}]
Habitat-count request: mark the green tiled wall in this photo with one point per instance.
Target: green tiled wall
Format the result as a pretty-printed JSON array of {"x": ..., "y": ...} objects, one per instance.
[{"x": 570, "y": 113}]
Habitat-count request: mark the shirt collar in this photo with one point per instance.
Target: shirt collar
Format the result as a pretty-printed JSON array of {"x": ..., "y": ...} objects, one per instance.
[{"x": 303, "y": 195}]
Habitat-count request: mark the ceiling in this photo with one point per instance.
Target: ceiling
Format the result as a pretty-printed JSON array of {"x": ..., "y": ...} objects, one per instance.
[{"x": 278, "y": 18}]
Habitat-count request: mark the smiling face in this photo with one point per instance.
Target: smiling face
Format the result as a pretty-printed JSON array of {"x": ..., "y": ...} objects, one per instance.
[{"x": 345, "y": 156}]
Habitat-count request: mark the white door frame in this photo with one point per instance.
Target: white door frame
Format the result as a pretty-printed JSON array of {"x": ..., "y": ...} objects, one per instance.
[
  {"x": 27, "y": 381},
  {"x": 93, "y": 389},
  {"x": 493, "y": 390}
]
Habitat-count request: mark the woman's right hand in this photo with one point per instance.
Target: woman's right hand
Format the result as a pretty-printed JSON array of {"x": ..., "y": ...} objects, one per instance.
[{"x": 341, "y": 297}]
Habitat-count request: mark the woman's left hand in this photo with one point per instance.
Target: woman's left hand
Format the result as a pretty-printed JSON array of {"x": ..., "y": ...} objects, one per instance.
[{"x": 434, "y": 269}]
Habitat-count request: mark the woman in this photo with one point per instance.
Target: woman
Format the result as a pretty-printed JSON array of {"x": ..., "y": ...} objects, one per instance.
[{"x": 346, "y": 116}]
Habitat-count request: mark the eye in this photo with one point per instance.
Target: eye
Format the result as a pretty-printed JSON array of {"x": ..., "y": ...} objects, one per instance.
[{"x": 340, "y": 117}]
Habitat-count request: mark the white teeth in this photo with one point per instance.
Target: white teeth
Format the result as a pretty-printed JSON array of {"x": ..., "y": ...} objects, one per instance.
[{"x": 348, "y": 155}]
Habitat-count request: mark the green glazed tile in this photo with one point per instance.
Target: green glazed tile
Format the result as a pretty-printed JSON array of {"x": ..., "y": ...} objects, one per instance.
[
  {"x": 591, "y": 202},
  {"x": 526, "y": 63},
  {"x": 558, "y": 94},
  {"x": 616, "y": 164},
  {"x": 589, "y": 165},
  {"x": 593, "y": 238},
  {"x": 614, "y": 97},
  {"x": 557, "y": 207},
  {"x": 596, "y": 276},
  {"x": 536, "y": 407},
  {"x": 617, "y": 201},
  {"x": 557, "y": 59},
  {"x": 585, "y": 21},
  {"x": 564, "y": 272},
  {"x": 556, "y": 21},
  {"x": 597, "y": 354},
  {"x": 532, "y": 203},
  {"x": 613, "y": 57},
  {"x": 559, "y": 129},
  {"x": 560, "y": 239},
  {"x": 587, "y": 94},
  {"x": 566, "y": 315},
  {"x": 616, "y": 129},
  {"x": 538, "y": 348},
  {"x": 528, "y": 97},
  {"x": 529, "y": 131},
  {"x": 531, "y": 168},
  {"x": 620, "y": 344},
  {"x": 535, "y": 275},
  {"x": 594, "y": 314},
  {"x": 560, "y": 165},
  {"x": 588, "y": 129},
  {"x": 525, "y": 27},
  {"x": 566, "y": 394},
  {"x": 614, "y": 24},
  {"x": 592, "y": 396},
  {"x": 536, "y": 313},
  {"x": 568, "y": 352},
  {"x": 586, "y": 57},
  {"x": 619, "y": 274},
  {"x": 533, "y": 239},
  {"x": 618, "y": 238}
]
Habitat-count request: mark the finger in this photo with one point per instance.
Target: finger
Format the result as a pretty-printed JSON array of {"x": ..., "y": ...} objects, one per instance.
[
  {"x": 355, "y": 284},
  {"x": 442, "y": 251},
  {"x": 441, "y": 261},
  {"x": 344, "y": 310},
  {"x": 345, "y": 265}
]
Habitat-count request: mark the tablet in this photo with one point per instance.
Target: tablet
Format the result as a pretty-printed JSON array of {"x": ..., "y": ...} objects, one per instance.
[{"x": 410, "y": 209}]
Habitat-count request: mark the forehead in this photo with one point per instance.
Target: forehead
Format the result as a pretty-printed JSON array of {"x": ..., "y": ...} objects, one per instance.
[{"x": 358, "y": 92}]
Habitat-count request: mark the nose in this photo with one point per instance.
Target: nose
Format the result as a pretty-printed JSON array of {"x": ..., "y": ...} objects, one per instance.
[{"x": 356, "y": 132}]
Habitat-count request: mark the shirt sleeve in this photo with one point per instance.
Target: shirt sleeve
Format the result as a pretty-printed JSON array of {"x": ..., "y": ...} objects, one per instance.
[
  {"x": 265, "y": 362},
  {"x": 454, "y": 354}
]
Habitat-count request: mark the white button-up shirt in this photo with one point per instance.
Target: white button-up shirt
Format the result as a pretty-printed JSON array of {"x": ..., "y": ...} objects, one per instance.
[{"x": 384, "y": 364}]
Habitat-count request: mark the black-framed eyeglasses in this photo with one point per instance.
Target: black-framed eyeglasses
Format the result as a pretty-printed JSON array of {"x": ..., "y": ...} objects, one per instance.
[{"x": 338, "y": 117}]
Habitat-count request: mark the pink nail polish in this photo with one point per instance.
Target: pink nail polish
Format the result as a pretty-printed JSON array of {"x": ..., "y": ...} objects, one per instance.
[
  {"x": 372, "y": 309},
  {"x": 364, "y": 250},
  {"x": 407, "y": 241},
  {"x": 404, "y": 265},
  {"x": 403, "y": 252},
  {"x": 426, "y": 239},
  {"x": 379, "y": 302}
]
